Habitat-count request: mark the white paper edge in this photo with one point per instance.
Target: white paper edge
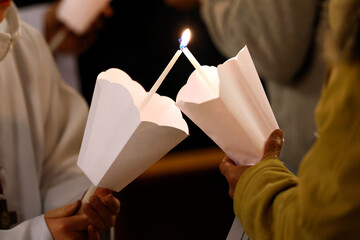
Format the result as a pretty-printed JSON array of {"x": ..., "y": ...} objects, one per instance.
[{"x": 237, "y": 231}]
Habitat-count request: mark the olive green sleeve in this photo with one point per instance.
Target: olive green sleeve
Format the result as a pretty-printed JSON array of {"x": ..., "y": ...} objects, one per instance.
[
  {"x": 265, "y": 190},
  {"x": 324, "y": 201}
]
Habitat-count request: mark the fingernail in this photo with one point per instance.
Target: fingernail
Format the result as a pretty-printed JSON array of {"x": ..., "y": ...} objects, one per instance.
[{"x": 279, "y": 140}]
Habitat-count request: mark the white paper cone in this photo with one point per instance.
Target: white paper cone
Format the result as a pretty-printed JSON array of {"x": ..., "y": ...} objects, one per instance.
[
  {"x": 238, "y": 117},
  {"x": 78, "y": 15},
  {"x": 241, "y": 84},
  {"x": 119, "y": 141}
]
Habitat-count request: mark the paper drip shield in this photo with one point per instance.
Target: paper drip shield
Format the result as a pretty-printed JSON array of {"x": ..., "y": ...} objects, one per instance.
[
  {"x": 119, "y": 141},
  {"x": 238, "y": 117}
]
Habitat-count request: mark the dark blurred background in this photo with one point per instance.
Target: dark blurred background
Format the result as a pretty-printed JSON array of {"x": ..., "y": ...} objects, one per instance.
[
  {"x": 140, "y": 39},
  {"x": 192, "y": 202}
]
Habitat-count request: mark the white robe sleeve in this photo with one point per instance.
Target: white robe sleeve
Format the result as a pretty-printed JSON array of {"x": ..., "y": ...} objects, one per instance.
[
  {"x": 44, "y": 122},
  {"x": 33, "y": 229},
  {"x": 59, "y": 118},
  {"x": 65, "y": 116}
]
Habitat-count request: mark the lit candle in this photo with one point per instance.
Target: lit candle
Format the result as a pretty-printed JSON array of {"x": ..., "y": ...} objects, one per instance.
[
  {"x": 184, "y": 42},
  {"x": 185, "y": 37}
]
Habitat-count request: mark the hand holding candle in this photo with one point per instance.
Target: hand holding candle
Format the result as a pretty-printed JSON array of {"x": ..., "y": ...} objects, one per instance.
[
  {"x": 120, "y": 142},
  {"x": 238, "y": 113}
]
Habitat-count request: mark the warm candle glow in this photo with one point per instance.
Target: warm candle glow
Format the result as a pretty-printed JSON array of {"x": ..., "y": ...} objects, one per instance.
[{"x": 185, "y": 38}]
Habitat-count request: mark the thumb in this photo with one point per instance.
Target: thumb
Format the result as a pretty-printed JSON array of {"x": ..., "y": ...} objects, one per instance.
[
  {"x": 273, "y": 145},
  {"x": 65, "y": 211}
]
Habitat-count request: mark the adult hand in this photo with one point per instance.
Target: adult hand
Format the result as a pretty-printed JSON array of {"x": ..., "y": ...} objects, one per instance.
[
  {"x": 73, "y": 43},
  {"x": 63, "y": 223},
  {"x": 273, "y": 145},
  {"x": 102, "y": 209},
  {"x": 233, "y": 172}
]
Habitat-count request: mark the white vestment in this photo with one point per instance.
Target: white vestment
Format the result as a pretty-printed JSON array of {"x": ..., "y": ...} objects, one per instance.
[
  {"x": 66, "y": 62},
  {"x": 41, "y": 127}
]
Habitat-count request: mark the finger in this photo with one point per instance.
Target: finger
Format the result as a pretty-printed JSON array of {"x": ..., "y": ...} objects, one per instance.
[
  {"x": 233, "y": 176},
  {"x": 273, "y": 145},
  {"x": 65, "y": 211},
  {"x": 98, "y": 214},
  {"x": 78, "y": 222},
  {"x": 93, "y": 234},
  {"x": 102, "y": 191},
  {"x": 93, "y": 217},
  {"x": 225, "y": 165},
  {"x": 68, "y": 226},
  {"x": 112, "y": 203},
  {"x": 104, "y": 213}
]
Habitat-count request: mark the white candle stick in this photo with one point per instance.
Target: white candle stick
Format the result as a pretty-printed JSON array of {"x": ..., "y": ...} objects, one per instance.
[
  {"x": 185, "y": 38},
  {"x": 57, "y": 39},
  {"x": 160, "y": 80},
  {"x": 198, "y": 67},
  {"x": 88, "y": 194}
]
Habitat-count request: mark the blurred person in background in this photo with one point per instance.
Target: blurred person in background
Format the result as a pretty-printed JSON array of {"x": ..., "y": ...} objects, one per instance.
[
  {"x": 283, "y": 40},
  {"x": 324, "y": 201},
  {"x": 41, "y": 126},
  {"x": 42, "y": 16}
]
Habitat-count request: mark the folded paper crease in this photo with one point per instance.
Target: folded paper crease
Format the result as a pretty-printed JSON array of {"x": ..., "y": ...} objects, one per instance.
[
  {"x": 120, "y": 142},
  {"x": 238, "y": 118}
]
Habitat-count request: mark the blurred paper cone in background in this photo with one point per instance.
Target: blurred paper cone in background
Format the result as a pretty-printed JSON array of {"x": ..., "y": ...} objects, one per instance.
[{"x": 78, "y": 15}]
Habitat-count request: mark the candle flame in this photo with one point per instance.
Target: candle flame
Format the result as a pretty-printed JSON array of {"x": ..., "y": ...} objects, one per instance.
[{"x": 185, "y": 38}]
